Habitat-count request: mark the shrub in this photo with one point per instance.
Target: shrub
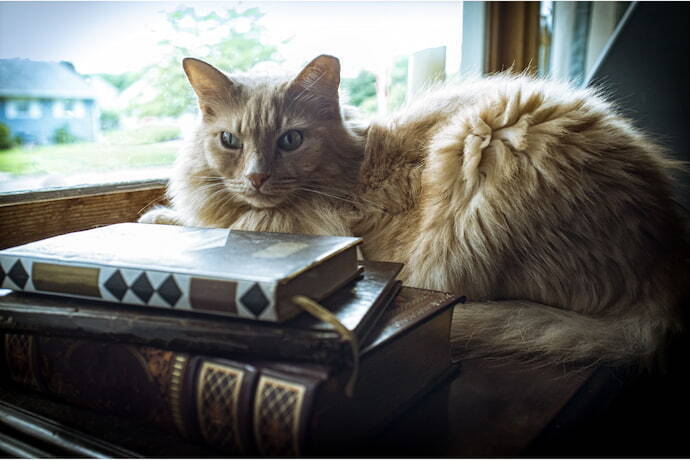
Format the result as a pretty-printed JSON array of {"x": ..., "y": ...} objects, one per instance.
[
  {"x": 6, "y": 139},
  {"x": 110, "y": 120},
  {"x": 63, "y": 135}
]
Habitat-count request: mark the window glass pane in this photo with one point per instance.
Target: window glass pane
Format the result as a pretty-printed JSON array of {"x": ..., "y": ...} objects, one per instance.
[
  {"x": 573, "y": 35},
  {"x": 93, "y": 92}
]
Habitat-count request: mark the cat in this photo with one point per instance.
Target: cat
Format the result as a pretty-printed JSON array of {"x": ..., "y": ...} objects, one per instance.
[{"x": 536, "y": 200}]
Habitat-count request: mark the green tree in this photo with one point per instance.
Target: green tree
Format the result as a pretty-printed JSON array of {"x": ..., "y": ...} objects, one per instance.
[
  {"x": 360, "y": 88},
  {"x": 6, "y": 141},
  {"x": 236, "y": 46},
  {"x": 121, "y": 81},
  {"x": 397, "y": 91}
]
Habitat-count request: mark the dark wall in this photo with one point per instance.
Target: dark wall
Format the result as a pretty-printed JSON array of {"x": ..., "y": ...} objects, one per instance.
[{"x": 646, "y": 70}]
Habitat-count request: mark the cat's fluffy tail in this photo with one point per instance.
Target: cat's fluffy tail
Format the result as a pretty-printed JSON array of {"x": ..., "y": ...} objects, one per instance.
[{"x": 543, "y": 334}]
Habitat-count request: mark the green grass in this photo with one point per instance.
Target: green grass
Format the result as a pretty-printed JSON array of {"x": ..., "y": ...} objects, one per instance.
[
  {"x": 84, "y": 157},
  {"x": 121, "y": 149}
]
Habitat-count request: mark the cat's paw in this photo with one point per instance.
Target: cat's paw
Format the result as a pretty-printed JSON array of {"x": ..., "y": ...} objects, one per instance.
[{"x": 160, "y": 215}]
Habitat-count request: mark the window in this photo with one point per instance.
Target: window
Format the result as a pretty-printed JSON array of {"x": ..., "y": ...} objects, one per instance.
[
  {"x": 68, "y": 108},
  {"x": 17, "y": 109},
  {"x": 574, "y": 34},
  {"x": 117, "y": 105}
]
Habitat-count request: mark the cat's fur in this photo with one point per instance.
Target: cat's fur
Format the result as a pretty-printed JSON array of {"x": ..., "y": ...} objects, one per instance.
[{"x": 535, "y": 199}]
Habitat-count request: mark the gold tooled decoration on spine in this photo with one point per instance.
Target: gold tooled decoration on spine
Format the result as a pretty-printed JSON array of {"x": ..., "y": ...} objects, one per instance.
[{"x": 175, "y": 395}]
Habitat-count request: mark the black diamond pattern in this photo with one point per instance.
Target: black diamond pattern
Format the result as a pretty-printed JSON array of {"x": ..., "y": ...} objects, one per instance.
[
  {"x": 169, "y": 291},
  {"x": 142, "y": 288},
  {"x": 18, "y": 274},
  {"x": 2, "y": 275},
  {"x": 255, "y": 300},
  {"x": 116, "y": 285}
]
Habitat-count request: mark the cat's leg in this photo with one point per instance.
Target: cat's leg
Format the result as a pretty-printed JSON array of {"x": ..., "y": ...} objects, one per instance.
[{"x": 160, "y": 215}]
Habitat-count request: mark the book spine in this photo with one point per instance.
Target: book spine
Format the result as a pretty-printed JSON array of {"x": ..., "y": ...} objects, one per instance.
[
  {"x": 152, "y": 288},
  {"x": 282, "y": 410},
  {"x": 204, "y": 399}
]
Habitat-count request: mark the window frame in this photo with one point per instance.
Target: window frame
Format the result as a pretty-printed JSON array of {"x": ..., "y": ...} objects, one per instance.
[{"x": 27, "y": 216}]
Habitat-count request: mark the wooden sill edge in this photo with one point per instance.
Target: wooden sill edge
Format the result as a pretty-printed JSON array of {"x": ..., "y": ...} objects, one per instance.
[{"x": 33, "y": 196}]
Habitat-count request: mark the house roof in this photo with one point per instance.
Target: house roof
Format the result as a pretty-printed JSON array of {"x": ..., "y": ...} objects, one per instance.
[{"x": 25, "y": 78}]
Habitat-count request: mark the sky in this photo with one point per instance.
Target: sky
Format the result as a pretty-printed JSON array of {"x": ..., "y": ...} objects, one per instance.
[{"x": 116, "y": 37}]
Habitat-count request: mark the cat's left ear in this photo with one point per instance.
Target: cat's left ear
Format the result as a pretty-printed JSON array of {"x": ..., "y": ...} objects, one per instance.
[
  {"x": 321, "y": 77},
  {"x": 210, "y": 84},
  {"x": 204, "y": 78}
]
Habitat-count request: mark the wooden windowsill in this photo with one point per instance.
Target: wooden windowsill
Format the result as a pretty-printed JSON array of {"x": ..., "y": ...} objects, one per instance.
[
  {"x": 32, "y": 196},
  {"x": 34, "y": 215}
]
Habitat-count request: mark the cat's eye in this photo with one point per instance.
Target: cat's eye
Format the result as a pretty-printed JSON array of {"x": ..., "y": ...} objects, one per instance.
[
  {"x": 290, "y": 140},
  {"x": 230, "y": 141}
]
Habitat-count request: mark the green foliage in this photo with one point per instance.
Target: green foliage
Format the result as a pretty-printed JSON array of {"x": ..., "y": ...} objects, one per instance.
[
  {"x": 109, "y": 120},
  {"x": 121, "y": 81},
  {"x": 397, "y": 91},
  {"x": 6, "y": 140},
  {"x": 237, "y": 47},
  {"x": 360, "y": 88},
  {"x": 148, "y": 134},
  {"x": 63, "y": 135}
]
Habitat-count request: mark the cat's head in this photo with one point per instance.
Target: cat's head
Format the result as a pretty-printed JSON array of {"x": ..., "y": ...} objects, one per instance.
[{"x": 271, "y": 140}]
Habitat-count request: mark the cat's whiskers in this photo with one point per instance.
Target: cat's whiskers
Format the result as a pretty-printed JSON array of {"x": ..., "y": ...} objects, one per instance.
[
  {"x": 337, "y": 197},
  {"x": 212, "y": 190},
  {"x": 219, "y": 193},
  {"x": 335, "y": 190},
  {"x": 231, "y": 197},
  {"x": 219, "y": 178}
]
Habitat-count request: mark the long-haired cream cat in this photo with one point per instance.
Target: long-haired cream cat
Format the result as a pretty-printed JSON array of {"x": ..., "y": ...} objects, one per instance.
[{"x": 536, "y": 200}]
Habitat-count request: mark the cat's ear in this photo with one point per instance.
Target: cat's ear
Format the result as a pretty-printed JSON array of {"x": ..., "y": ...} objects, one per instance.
[
  {"x": 321, "y": 76},
  {"x": 209, "y": 83}
]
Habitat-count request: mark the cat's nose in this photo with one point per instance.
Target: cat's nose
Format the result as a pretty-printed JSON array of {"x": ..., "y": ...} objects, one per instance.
[{"x": 258, "y": 179}]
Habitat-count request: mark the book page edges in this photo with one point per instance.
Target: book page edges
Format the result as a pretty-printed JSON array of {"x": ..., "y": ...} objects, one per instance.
[{"x": 319, "y": 282}]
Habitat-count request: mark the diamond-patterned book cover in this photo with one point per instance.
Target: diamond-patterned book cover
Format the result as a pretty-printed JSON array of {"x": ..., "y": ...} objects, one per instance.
[
  {"x": 358, "y": 305},
  {"x": 250, "y": 275}
]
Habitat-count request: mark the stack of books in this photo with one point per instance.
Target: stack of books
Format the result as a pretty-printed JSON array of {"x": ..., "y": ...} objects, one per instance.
[{"x": 253, "y": 343}]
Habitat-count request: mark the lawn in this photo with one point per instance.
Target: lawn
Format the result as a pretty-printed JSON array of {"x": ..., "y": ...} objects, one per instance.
[{"x": 121, "y": 149}]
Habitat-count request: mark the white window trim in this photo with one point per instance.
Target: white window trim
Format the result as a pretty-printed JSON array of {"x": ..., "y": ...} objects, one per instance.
[
  {"x": 473, "y": 45},
  {"x": 12, "y": 112},
  {"x": 60, "y": 112}
]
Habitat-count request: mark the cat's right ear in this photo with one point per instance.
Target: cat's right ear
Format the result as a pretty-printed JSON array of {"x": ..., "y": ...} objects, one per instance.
[{"x": 210, "y": 84}]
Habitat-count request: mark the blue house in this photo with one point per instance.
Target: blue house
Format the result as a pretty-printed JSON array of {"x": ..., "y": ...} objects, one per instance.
[{"x": 37, "y": 99}]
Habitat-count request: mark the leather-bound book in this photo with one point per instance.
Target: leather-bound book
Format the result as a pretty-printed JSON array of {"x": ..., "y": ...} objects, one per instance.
[
  {"x": 357, "y": 306},
  {"x": 271, "y": 408},
  {"x": 251, "y": 275}
]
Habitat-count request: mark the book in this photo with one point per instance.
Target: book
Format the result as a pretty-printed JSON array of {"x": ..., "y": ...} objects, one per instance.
[
  {"x": 265, "y": 407},
  {"x": 357, "y": 306},
  {"x": 251, "y": 275},
  {"x": 29, "y": 435}
]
